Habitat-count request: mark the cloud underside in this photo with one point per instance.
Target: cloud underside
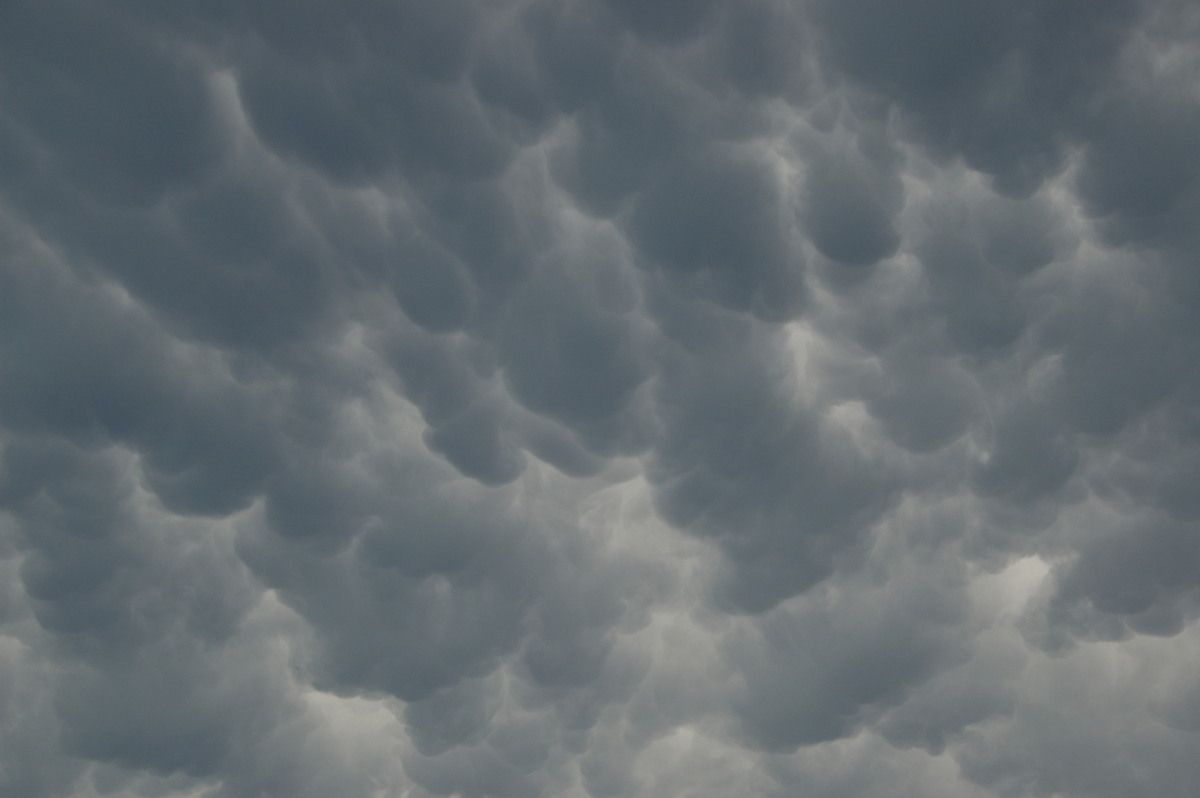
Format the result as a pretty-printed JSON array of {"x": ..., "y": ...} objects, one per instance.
[{"x": 599, "y": 398}]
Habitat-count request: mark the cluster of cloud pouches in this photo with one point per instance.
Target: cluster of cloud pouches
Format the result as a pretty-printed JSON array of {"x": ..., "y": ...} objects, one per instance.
[{"x": 599, "y": 398}]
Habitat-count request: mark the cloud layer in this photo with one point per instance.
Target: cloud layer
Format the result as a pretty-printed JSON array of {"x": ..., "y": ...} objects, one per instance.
[{"x": 599, "y": 398}]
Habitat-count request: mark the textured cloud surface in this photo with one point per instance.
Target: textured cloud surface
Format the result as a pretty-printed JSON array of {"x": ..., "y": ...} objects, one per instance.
[{"x": 598, "y": 398}]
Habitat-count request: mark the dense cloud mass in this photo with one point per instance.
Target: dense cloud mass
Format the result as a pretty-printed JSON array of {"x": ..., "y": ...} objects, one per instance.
[{"x": 599, "y": 398}]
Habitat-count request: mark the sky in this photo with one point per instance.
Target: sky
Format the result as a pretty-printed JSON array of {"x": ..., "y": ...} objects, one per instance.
[{"x": 599, "y": 398}]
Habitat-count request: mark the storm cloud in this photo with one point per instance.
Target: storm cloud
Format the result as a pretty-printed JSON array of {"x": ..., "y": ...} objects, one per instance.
[{"x": 599, "y": 398}]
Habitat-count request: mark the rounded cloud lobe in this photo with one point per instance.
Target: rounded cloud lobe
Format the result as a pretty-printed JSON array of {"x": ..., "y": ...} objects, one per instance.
[{"x": 596, "y": 397}]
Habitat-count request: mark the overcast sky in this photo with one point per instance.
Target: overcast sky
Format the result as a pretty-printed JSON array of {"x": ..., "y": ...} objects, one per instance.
[{"x": 599, "y": 398}]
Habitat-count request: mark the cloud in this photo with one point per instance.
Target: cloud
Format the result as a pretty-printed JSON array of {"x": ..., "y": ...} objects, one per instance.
[{"x": 592, "y": 397}]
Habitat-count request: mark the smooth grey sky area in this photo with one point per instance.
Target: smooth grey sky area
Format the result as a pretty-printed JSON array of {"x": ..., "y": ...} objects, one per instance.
[{"x": 599, "y": 399}]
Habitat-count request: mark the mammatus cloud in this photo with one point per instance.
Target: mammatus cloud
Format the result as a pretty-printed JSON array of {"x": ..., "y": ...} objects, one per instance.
[{"x": 599, "y": 398}]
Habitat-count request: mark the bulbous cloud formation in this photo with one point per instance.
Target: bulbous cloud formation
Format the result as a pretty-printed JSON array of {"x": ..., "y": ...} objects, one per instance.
[{"x": 599, "y": 398}]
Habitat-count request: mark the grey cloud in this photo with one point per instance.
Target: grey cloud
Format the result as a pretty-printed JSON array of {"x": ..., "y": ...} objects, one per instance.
[
  {"x": 567, "y": 346},
  {"x": 127, "y": 117},
  {"x": 669, "y": 21},
  {"x": 1004, "y": 86},
  {"x": 851, "y": 198},
  {"x": 762, "y": 45},
  {"x": 937, "y": 713},
  {"x": 378, "y": 605},
  {"x": 810, "y": 673},
  {"x": 743, "y": 463},
  {"x": 1031, "y": 457},
  {"x": 466, "y": 419},
  {"x": 1142, "y": 199},
  {"x": 1070, "y": 734},
  {"x": 142, "y": 623},
  {"x": 646, "y": 115},
  {"x": 598, "y": 397},
  {"x": 981, "y": 307},
  {"x": 364, "y": 124},
  {"x": 713, "y": 221},
  {"x": 1131, "y": 579},
  {"x": 926, "y": 403},
  {"x": 91, "y": 371},
  {"x": 576, "y": 46}
]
